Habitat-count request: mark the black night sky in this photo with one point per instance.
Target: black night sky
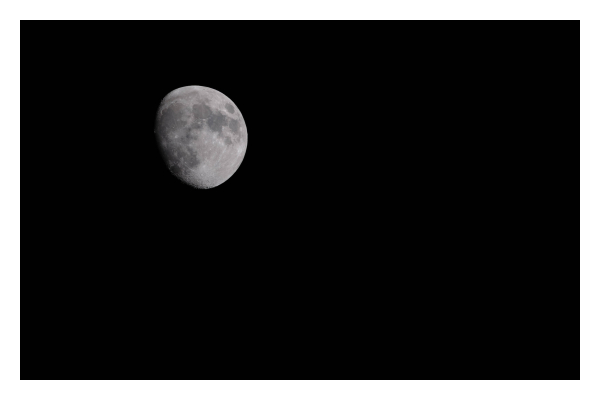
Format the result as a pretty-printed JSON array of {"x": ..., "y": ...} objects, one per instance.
[{"x": 394, "y": 216}]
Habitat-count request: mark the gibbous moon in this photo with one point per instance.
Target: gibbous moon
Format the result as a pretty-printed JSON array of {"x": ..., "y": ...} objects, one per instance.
[{"x": 201, "y": 135}]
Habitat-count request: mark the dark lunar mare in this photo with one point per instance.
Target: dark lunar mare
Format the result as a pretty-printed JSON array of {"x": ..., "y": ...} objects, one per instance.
[
  {"x": 201, "y": 111},
  {"x": 234, "y": 125},
  {"x": 217, "y": 121}
]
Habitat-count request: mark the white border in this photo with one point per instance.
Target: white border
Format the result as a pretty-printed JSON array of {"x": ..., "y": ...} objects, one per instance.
[
  {"x": 303, "y": 390},
  {"x": 590, "y": 201},
  {"x": 12, "y": 388},
  {"x": 303, "y": 9}
]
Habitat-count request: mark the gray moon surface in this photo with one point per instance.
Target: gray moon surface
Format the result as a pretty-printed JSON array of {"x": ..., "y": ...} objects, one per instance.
[{"x": 201, "y": 135}]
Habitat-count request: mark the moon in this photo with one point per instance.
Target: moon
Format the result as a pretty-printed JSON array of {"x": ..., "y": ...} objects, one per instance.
[{"x": 201, "y": 135}]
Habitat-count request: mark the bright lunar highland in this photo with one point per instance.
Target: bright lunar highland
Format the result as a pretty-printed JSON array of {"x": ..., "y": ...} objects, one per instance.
[{"x": 201, "y": 135}]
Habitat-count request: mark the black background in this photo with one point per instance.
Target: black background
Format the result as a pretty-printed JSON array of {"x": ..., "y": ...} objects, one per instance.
[{"x": 405, "y": 208}]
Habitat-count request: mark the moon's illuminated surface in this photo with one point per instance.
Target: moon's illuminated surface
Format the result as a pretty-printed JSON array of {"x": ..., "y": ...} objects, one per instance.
[{"x": 201, "y": 135}]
